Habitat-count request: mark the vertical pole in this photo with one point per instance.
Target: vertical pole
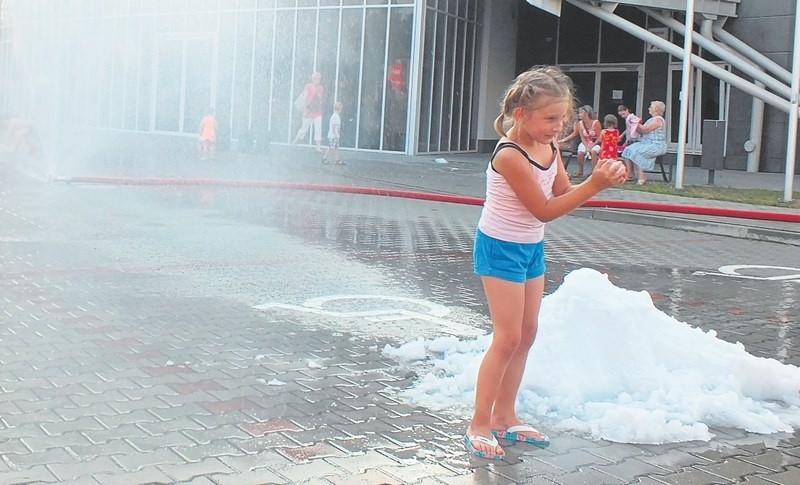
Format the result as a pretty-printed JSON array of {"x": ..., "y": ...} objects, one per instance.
[
  {"x": 415, "y": 77},
  {"x": 686, "y": 79},
  {"x": 756, "y": 132},
  {"x": 791, "y": 146}
]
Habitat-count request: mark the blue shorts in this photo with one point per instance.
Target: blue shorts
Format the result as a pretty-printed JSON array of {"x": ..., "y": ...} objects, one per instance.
[{"x": 510, "y": 261}]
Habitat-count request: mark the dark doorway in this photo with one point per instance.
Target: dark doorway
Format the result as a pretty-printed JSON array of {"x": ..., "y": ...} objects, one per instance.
[{"x": 616, "y": 88}]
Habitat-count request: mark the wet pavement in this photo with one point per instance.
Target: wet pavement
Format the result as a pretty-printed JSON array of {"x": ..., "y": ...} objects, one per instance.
[{"x": 222, "y": 335}]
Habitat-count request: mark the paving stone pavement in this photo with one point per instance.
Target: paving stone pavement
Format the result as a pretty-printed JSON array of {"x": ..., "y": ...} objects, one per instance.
[{"x": 131, "y": 351}]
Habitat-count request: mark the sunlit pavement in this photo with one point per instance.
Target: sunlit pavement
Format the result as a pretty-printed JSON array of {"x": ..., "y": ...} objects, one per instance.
[{"x": 186, "y": 335}]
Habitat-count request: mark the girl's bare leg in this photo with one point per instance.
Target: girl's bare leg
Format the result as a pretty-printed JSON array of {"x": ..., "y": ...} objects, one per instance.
[
  {"x": 504, "y": 414},
  {"x": 581, "y": 159},
  {"x": 506, "y": 305}
]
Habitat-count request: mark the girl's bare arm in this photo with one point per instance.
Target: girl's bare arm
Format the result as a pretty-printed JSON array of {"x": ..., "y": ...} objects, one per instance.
[
  {"x": 647, "y": 128},
  {"x": 572, "y": 135},
  {"x": 515, "y": 169}
]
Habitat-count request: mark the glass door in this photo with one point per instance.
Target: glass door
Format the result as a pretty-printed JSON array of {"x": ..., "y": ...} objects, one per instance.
[
  {"x": 605, "y": 87},
  {"x": 708, "y": 101},
  {"x": 616, "y": 88},
  {"x": 584, "y": 84}
]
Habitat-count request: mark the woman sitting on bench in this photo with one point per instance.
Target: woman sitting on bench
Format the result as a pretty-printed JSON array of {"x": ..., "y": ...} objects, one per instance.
[
  {"x": 652, "y": 143},
  {"x": 588, "y": 129}
]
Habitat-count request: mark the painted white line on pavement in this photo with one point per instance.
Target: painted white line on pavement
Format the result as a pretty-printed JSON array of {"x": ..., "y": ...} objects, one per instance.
[
  {"x": 431, "y": 312},
  {"x": 732, "y": 271}
]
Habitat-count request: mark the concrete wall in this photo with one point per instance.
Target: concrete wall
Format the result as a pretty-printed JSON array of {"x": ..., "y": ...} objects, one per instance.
[
  {"x": 497, "y": 61},
  {"x": 767, "y": 26}
]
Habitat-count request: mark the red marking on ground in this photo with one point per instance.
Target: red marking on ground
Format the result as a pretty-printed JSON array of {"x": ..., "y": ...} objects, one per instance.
[
  {"x": 272, "y": 426},
  {"x": 190, "y": 387},
  {"x": 58, "y": 310},
  {"x": 118, "y": 342},
  {"x": 149, "y": 354},
  {"x": 81, "y": 319},
  {"x": 167, "y": 370},
  {"x": 305, "y": 453},
  {"x": 222, "y": 407},
  {"x": 694, "y": 302},
  {"x": 96, "y": 330}
]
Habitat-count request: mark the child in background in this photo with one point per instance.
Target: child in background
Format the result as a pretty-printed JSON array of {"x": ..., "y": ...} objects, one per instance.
[
  {"x": 334, "y": 130},
  {"x": 526, "y": 186},
  {"x": 208, "y": 135},
  {"x": 631, "y": 133},
  {"x": 609, "y": 138},
  {"x": 631, "y": 124}
]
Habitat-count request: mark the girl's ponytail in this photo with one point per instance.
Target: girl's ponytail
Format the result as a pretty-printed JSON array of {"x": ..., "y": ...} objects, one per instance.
[{"x": 499, "y": 125}]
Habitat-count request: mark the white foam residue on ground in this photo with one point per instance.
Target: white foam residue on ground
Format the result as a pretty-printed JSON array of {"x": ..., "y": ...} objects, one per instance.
[{"x": 606, "y": 362}]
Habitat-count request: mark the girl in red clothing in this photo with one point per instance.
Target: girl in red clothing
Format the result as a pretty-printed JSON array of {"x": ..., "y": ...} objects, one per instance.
[
  {"x": 609, "y": 138},
  {"x": 312, "y": 110}
]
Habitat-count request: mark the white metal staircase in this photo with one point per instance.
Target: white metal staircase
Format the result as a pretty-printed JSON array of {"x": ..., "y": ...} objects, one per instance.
[
  {"x": 761, "y": 77},
  {"x": 719, "y": 8}
]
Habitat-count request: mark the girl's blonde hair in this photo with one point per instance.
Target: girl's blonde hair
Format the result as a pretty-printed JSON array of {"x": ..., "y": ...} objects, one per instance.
[
  {"x": 610, "y": 121},
  {"x": 529, "y": 90}
]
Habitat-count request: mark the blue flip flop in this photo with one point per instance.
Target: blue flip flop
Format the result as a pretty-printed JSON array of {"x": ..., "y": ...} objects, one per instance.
[
  {"x": 513, "y": 434},
  {"x": 468, "y": 439}
]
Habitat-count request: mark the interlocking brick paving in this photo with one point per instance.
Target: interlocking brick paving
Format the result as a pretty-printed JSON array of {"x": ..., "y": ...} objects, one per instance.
[{"x": 191, "y": 382}]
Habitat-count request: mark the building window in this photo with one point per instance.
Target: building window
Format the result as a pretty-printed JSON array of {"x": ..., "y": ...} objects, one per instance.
[
  {"x": 183, "y": 78},
  {"x": 578, "y": 36},
  {"x": 618, "y": 46},
  {"x": 446, "y": 87},
  {"x": 158, "y": 65}
]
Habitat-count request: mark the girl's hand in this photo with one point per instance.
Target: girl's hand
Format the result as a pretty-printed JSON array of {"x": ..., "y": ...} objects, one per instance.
[{"x": 608, "y": 173}]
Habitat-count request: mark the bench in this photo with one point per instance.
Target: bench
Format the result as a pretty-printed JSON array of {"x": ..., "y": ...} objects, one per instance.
[
  {"x": 659, "y": 168},
  {"x": 566, "y": 156},
  {"x": 666, "y": 173}
]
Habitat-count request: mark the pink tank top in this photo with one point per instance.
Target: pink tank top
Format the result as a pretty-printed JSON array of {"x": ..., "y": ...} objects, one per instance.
[
  {"x": 588, "y": 135},
  {"x": 503, "y": 216}
]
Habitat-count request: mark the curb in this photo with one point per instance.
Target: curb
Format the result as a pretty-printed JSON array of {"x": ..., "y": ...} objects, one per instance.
[
  {"x": 715, "y": 227},
  {"x": 613, "y": 210},
  {"x": 714, "y": 211}
]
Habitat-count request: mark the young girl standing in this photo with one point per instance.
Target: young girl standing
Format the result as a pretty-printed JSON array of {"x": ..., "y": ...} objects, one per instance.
[
  {"x": 526, "y": 186},
  {"x": 609, "y": 138}
]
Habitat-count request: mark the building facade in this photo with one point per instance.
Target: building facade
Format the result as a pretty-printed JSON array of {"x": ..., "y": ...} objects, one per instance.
[
  {"x": 611, "y": 66},
  {"x": 414, "y": 76},
  {"x": 156, "y": 66}
]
